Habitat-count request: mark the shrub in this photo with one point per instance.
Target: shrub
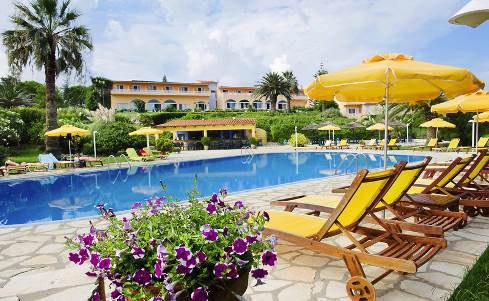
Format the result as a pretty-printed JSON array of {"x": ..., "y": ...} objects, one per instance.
[
  {"x": 205, "y": 141},
  {"x": 164, "y": 144},
  {"x": 140, "y": 105},
  {"x": 3, "y": 154},
  {"x": 10, "y": 127},
  {"x": 32, "y": 132},
  {"x": 113, "y": 137},
  {"x": 301, "y": 140},
  {"x": 253, "y": 141},
  {"x": 155, "y": 118},
  {"x": 164, "y": 250}
]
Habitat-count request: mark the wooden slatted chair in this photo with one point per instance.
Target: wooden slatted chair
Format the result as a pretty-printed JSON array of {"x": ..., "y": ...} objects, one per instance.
[
  {"x": 430, "y": 222},
  {"x": 400, "y": 252}
]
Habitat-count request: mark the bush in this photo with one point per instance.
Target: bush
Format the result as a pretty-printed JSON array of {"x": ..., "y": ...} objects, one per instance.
[
  {"x": 301, "y": 140},
  {"x": 34, "y": 126},
  {"x": 205, "y": 141},
  {"x": 155, "y": 118},
  {"x": 113, "y": 137},
  {"x": 3, "y": 154},
  {"x": 87, "y": 148},
  {"x": 164, "y": 144},
  {"x": 140, "y": 105},
  {"x": 10, "y": 127},
  {"x": 253, "y": 141}
]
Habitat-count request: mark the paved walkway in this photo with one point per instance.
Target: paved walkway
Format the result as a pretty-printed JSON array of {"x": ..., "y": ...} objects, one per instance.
[{"x": 34, "y": 265}]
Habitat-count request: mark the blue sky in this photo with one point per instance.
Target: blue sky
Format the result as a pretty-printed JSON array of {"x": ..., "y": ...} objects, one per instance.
[{"x": 236, "y": 42}]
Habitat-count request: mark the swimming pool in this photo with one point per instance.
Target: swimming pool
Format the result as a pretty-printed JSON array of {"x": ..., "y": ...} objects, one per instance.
[{"x": 71, "y": 196}]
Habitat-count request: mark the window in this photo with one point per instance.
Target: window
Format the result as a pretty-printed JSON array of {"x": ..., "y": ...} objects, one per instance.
[
  {"x": 352, "y": 111},
  {"x": 244, "y": 104},
  {"x": 230, "y": 104},
  {"x": 257, "y": 105},
  {"x": 119, "y": 87},
  {"x": 282, "y": 105},
  {"x": 122, "y": 106},
  {"x": 169, "y": 103},
  {"x": 200, "y": 89},
  {"x": 250, "y": 92},
  {"x": 135, "y": 87},
  {"x": 184, "y": 89},
  {"x": 182, "y": 106},
  {"x": 269, "y": 105},
  {"x": 152, "y": 88},
  {"x": 225, "y": 91},
  {"x": 153, "y": 105},
  {"x": 167, "y": 88},
  {"x": 239, "y": 91},
  {"x": 200, "y": 105}
]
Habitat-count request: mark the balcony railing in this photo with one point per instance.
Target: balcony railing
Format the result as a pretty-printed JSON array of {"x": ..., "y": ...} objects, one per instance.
[{"x": 162, "y": 91}]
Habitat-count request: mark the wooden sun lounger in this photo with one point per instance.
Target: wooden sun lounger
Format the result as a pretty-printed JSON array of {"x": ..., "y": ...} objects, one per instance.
[{"x": 401, "y": 252}]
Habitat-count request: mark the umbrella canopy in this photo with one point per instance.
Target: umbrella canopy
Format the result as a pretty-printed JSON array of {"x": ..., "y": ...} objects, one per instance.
[
  {"x": 378, "y": 127},
  {"x": 469, "y": 103},
  {"x": 329, "y": 127},
  {"x": 472, "y": 14},
  {"x": 394, "y": 78},
  {"x": 437, "y": 123},
  {"x": 146, "y": 131},
  {"x": 482, "y": 116},
  {"x": 66, "y": 130},
  {"x": 354, "y": 125}
]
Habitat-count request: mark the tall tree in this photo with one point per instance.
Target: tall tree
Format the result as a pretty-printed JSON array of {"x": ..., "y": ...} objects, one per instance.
[
  {"x": 270, "y": 87},
  {"x": 101, "y": 88},
  {"x": 12, "y": 94},
  {"x": 293, "y": 85},
  {"x": 46, "y": 35}
]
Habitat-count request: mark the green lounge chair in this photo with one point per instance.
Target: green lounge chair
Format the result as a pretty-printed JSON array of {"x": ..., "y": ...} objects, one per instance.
[
  {"x": 430, "y": 145},
  {"x": 133, "y": 156},
  {"x": 452, "y": 146}
]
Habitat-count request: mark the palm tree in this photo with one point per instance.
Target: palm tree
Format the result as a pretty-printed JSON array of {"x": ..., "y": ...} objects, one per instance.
[
  {"x": 270, "y": 87},
  {"x": 293, "y": 86},
  {"x": 46, "y": 35},
  {"x": 12, "y": 94}
]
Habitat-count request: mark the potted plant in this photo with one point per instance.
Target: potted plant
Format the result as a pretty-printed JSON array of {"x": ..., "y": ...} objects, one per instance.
[
  {"x": 253, "y": 142},
  {"x": 202, "y": 250},
  {"x": 205, "y": 141}
]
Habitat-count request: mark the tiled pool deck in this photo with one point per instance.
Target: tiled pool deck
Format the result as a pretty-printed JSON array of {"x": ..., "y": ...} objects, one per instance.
[{"x": 34, "y": 265}]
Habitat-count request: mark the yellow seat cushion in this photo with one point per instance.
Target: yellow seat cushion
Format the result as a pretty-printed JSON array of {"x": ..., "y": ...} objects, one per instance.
[
  {"x": 320, "y": 200},
  {"x": 424, "y": 181},
  {"x": 415, "y": 189},
  {"x": 294, "y": 223}
]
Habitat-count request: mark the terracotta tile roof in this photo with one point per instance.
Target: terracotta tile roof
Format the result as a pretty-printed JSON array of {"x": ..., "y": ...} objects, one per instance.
[{"x": 209, "y": 122}]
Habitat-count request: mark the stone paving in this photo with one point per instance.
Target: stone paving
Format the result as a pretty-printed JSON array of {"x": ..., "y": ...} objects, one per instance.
[{"x": 34, "y": 265}]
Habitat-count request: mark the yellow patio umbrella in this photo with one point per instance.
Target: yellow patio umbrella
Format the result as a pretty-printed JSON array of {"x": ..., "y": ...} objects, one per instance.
[
  {"x": 67, "y": 130},
  {"x": 329, "y": 128},
  {"x": 146, "y": 131},
  {"x": 437, "y": 123},
  {"x": 393, "y": 78},
  {"x": 476, "y": 102},
  {"x": 378, "y": 127}
]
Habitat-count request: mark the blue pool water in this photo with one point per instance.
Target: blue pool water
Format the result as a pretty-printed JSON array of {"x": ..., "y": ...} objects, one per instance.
[{"x": 75, "y": 195}]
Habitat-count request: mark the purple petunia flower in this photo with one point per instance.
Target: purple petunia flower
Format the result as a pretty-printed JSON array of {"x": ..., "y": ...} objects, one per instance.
[
  {"x": 221, "y": 203},
  {"x": 240, "y": 246},
  {"x": 127, "y": 225},
  {"x": 104, "y": 264},
  {"x": 269, "y": 258},
  {"x": 161, "y": 252},
  {"x": 208, "y": 233},
  {"x": 91, "y": 274},
  {"x": 95, "y": 259},
  {"x": 156, "y": 299},
  {"x": 223, "y": 191},
  {"x": 158, "y": 269},
  {"x": 95, "y": 296},
  {"x": 181, "y": 269},
  {"x": 259, "y": 273},
  {"x": 182, "y": 253},
  {"x": 100, "y": 206},
  {"x": 138, "y": 253},
  {"x": 233, "y": 271},
  {"x": 199, "y": 294},
  {"x": 228, "y": 250},
  {"x": 211, "y": 208},
  {"x": 220, "y": 269},
  {"x": 201, "y": 256},
  {"x": 266, "y": 216},
  {"x": 238, "y": 204},
  {"x": 214, "y": 198},
  {"x": 136, "y": 205},
  {"x": 115, "y": 294},
  {"x": 142, "y": 277},
  {"x": 74, "y": 257},
  {"x": 84, "y": 255},
  {"x": 225, "y": 231},
  {"x": 251, "y": 239},
  {"x": 88, "y": 240}
]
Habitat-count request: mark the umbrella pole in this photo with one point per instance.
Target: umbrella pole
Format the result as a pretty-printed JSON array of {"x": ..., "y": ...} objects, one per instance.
[
  {"x": 436, "y": 133},
  {"x": 386, "y": 117},
  {"x": 147, "y": 141},
  {"x": 477, "y": 135},
  {"x": 69, "y": 147}
]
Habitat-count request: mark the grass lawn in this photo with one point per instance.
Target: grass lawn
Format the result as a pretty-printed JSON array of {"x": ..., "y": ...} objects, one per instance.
[
  {"x": 29, "y": 153},
  {"x": 475, "y": 285}
]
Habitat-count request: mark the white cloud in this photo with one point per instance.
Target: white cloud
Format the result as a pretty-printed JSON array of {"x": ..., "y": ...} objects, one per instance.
[{"x": 280, "y": 64}]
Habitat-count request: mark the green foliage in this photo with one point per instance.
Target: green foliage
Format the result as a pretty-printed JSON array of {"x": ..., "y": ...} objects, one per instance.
[
  {"x": 3, "y": 154},
  {"x": 155, "y": 118},
  {"x": 34, "y": 119},
  {"x": 12, "y": 93},
  {"x": 10, "y": 127},
  {"x": 76, "y": 95},
  {"x": 164, "y": 144},
  {"x": 140, "y": 105},
  {"x": 253, "y": 141},
  {"x": 205, "y": 141},
  {"x": 301, "y": 140},
  {"x": 204, "y": 233},
  {"x": 113, "y": 137},
  {"x": 101, "y": 88},
  {"x": 271, "y": 86}
]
